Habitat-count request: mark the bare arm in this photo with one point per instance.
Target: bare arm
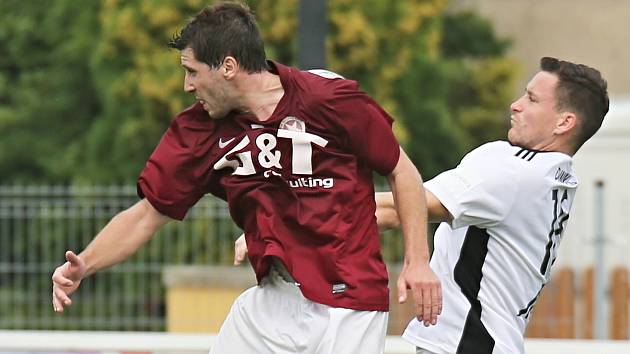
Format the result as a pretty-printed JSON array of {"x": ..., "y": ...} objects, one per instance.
[
  {"x": 123, "y": 236},
  {"x": 120, "y": 238},
  {"x": 387, "y": 215},
  {"x": 408, "y": 196}
]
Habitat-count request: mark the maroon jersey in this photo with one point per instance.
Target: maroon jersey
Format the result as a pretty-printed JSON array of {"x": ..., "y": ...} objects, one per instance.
[{"x": 299, "y": 184}]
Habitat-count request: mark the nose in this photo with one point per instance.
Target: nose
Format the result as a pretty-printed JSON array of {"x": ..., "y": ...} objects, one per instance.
[
  {"x": 516, "y": 106},
  {"x": 188, "y": 86}
]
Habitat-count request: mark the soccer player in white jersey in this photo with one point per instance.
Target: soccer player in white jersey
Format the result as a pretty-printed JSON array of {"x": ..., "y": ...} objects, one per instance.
[{"x": 503, "y": 211}]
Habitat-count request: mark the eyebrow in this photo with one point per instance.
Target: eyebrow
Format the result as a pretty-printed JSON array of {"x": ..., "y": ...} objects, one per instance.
[{"x": 188, "y": 67}]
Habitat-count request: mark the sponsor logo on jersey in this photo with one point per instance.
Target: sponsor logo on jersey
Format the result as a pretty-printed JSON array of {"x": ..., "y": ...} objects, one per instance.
[
  {"x": 310, "y": 182},
  {"x": 304, "y": 182},
  {"x": 223, "y": 144},
  {"x": 564, "y": 177},
  {"x": 241, "y": 158},
  {"x": 269, "y": 173},
  {"x": 293, "y": 124}
]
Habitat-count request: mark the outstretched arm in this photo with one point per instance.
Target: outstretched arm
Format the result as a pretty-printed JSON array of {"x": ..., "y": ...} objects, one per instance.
[
  {"x": 119, "y": 239},
  {"x": 387, "y": 215},
  {"x": 408, "y": 196}
]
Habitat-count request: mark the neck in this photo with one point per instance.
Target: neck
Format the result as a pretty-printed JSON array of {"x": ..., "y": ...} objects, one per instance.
[
  {"x": 555, "y": 146},
  {"x": 260, "y": 94}
]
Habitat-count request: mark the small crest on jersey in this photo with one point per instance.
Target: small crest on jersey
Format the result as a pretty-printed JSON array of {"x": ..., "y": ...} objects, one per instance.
[
  {"x": 293, "y": 124},
  {"x": 339, "y": 288}
]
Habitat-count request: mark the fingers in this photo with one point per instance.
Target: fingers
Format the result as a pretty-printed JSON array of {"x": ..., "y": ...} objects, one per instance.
[
  {"x": 430, "y": 306},
  {"x": 427, "y": 296},
  {"x": 436, "y": 300},
  {"x": 419, "y": 301},
  {"x": 426, "y": 291},
  {"x": 427, "y": 306},
  {"x": 239, "y": 256},
  {"x": 240, "y": 250},
  {"x": 73, "y": 258},
  {"x": 402, "y": 289},
  {"x": 60, "y": 299},
  {"x": 57, "y": 307},
  {"x": 59, "y": 278},
  {"x": 66, "y": 278},
  {"x": 428, "y": 303},
  {"x": 423, "y": 304}
]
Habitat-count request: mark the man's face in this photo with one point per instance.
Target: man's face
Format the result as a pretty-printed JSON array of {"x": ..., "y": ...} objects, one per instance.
[
  {"x": 534, "y": 115},
  {"x": 206, "y": 83}
]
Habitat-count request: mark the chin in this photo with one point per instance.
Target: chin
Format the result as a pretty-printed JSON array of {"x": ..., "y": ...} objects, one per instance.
[
  {"x": 510, "y": 137},
  {"x": 515, "y": 141}
]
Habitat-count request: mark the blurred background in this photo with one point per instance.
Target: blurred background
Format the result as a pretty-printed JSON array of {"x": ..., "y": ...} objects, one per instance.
[{"x": 87, "y": 88}]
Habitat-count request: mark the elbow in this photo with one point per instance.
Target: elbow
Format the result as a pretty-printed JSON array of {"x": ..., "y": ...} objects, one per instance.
[{"x": 143, "y": 219}]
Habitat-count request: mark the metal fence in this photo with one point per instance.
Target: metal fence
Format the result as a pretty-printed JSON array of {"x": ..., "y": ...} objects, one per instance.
[{"x": 39, "y": 223}]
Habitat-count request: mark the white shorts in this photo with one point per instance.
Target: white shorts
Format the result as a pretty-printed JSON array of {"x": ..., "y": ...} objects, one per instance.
[{"x": 276, "y": 318}]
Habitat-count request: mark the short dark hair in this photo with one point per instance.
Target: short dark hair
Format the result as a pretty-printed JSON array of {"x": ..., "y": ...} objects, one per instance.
[
  {"x": 221, "y": 30},
  {"x": 581, "y": 90}
]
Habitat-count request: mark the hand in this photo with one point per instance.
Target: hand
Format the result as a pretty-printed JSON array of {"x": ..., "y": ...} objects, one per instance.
[
  {"x": 240, "y": 250},
  {"x": 66, "y": 280},
  {"x": 425, "y": 289}
]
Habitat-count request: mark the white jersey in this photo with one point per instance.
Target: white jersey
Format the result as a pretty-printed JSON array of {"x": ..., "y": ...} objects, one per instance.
[{"x": 510, "y": 206}]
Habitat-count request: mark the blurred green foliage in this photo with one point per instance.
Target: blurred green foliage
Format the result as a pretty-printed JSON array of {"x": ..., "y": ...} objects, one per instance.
[
  {"x": 88, "y": 88},
  {"x": 47, "y": 95}
]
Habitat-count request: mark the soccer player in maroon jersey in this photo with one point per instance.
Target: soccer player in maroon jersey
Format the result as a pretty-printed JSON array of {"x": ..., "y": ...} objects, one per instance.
[{"x": 292, "y": 152}]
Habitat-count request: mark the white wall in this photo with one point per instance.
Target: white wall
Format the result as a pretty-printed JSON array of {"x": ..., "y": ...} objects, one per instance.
[
  {"x": 592, "y": 32},
  {"x": 605, "y": 157}
]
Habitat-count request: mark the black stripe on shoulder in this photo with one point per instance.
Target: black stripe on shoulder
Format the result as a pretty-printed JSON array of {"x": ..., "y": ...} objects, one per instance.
[
  {"x": 475, "y": 337},
  {"x": 533, "y": 154},
  {"x": 526, "y": 154}
]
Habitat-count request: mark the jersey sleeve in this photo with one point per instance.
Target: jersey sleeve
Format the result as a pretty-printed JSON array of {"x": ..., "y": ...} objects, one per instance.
[
  {"x": 480, "y": 191},
  {"x": 367, "y": 128},
  {"x": 172, "y": 180}
]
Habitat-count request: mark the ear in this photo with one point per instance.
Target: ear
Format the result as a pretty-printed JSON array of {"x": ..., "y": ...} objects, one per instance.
[
  {"x": 229, "y": 68},
  {"x": 566, "y": 122}
]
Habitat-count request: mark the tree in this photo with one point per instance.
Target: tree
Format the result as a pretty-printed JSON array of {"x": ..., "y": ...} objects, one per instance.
[
  {"x": 87, "y": 89},
  {"x": 442, "y": 76},
  {"x": 458, "y": 99},
  {"x": 139, "y": 83},
  {"x": 47, "y": 96}
]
